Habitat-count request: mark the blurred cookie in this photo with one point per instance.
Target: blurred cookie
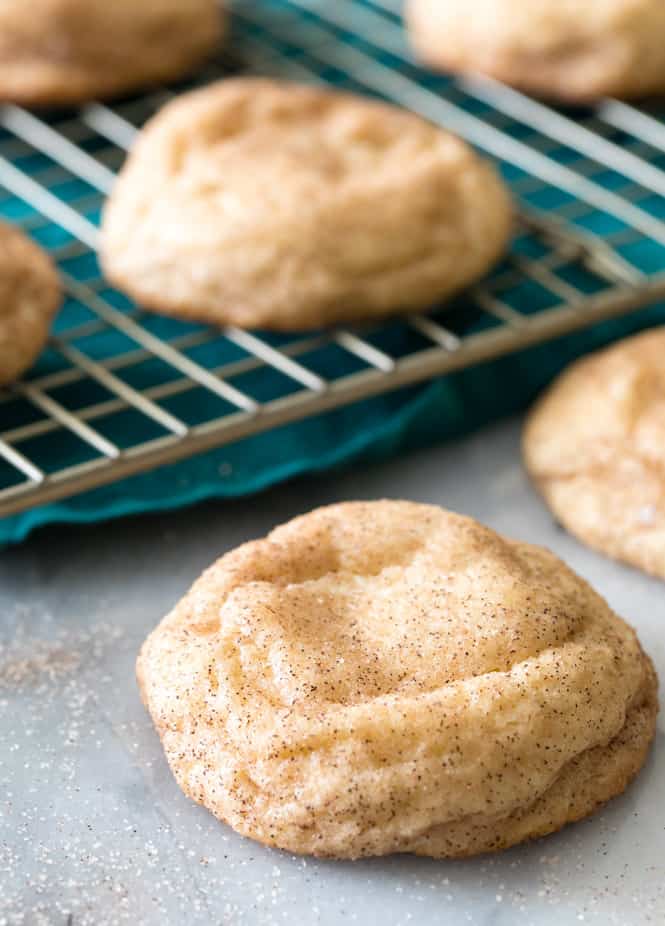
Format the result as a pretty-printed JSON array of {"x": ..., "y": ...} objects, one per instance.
[
  {"x": 69, "y": 51},
  {"x": 272, "y": 205},
  {"x": 552, "y": 48},
  {"x": 595, "y": 446},
  {"x": 391, "y": 677},
  {"x": 29, "y": 297}
]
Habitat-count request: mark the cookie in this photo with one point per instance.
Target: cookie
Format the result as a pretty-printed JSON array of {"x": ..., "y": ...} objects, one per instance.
[
  {"x": 391, "y": 677},
  {"x": 30, "y": 294},
  {"x": 271, "y": 205},
  {"x": 70, "y": 51},
  {"x": 545, "y": 47},
  {"x": 595, "y": 447}
]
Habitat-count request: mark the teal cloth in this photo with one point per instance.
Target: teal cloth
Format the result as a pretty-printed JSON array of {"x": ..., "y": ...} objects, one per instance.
[{"x": 361, "y": 434}]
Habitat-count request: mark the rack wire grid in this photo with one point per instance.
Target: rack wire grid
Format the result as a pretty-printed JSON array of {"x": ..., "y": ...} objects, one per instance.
[{"x": 119, "y": 391}]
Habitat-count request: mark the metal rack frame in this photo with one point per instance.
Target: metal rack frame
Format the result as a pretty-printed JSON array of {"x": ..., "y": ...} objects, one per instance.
[{"x": 358, "y": 44}]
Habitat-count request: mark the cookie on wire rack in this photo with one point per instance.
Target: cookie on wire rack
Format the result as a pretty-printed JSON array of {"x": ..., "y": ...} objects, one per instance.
[
  {"x": 267, "y": 204},
  {"x": 69, "y": 51},
  {"x": 390, "y": 677},
  {"x": 30, "y": 294},
  {"x": 594, "y": 445},
  {"x": 561, "y": 49}
]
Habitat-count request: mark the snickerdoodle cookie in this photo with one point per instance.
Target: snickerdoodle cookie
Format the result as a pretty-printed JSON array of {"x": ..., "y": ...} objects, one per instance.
[
  {"x": 29, "y": 297},
  {"x": 390, "y": 677},
  {"x": 554, "y": 48},
  {"x": 267, "y": 204},
  {"x": 595, "y": 447},
  {"x": 68, "y": 51}
]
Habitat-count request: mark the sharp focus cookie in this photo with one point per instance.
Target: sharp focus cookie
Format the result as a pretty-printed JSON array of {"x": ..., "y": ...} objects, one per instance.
[
  {"x": 595, "y": 446},
  {"x": 69, "y": 51},
  {"x": 272, "y": 205},
  {"x": 552, "y": 48},
  {"x": 390, "y": 677},
  {"x": 29, "y": 297}
]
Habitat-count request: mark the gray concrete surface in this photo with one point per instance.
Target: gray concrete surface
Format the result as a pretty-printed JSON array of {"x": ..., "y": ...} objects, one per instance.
[{"x": 94, "y": 831}]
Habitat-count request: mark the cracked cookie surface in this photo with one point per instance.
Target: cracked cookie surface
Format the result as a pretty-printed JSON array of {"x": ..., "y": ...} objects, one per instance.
[
  {"x": 30, "y": 294},
  {"x": 617, "y": 48},
  {"x": 69, "y": 51},
  {"x": 266, "y": 204},
  {"x": 594, "y": 445},
  {"x": 391, "y": 677}
]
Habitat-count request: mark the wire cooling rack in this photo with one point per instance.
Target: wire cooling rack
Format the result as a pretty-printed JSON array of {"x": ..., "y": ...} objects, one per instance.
[{"x": 119, "y": 391}]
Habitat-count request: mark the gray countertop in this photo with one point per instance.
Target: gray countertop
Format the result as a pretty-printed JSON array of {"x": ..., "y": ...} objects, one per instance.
[{"x": 93, "y": 829}]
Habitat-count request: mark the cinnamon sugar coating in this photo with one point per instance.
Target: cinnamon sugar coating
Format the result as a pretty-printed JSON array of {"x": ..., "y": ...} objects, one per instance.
[
  {"x": 70, "y": 51},
  {"x": 594, "y": 445},
  {"x": 266, "y": 204},
  {"x": 545, "y": 47},
  {"x": 391, "y": 677},
  {"x": 30, "y": 294}
]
